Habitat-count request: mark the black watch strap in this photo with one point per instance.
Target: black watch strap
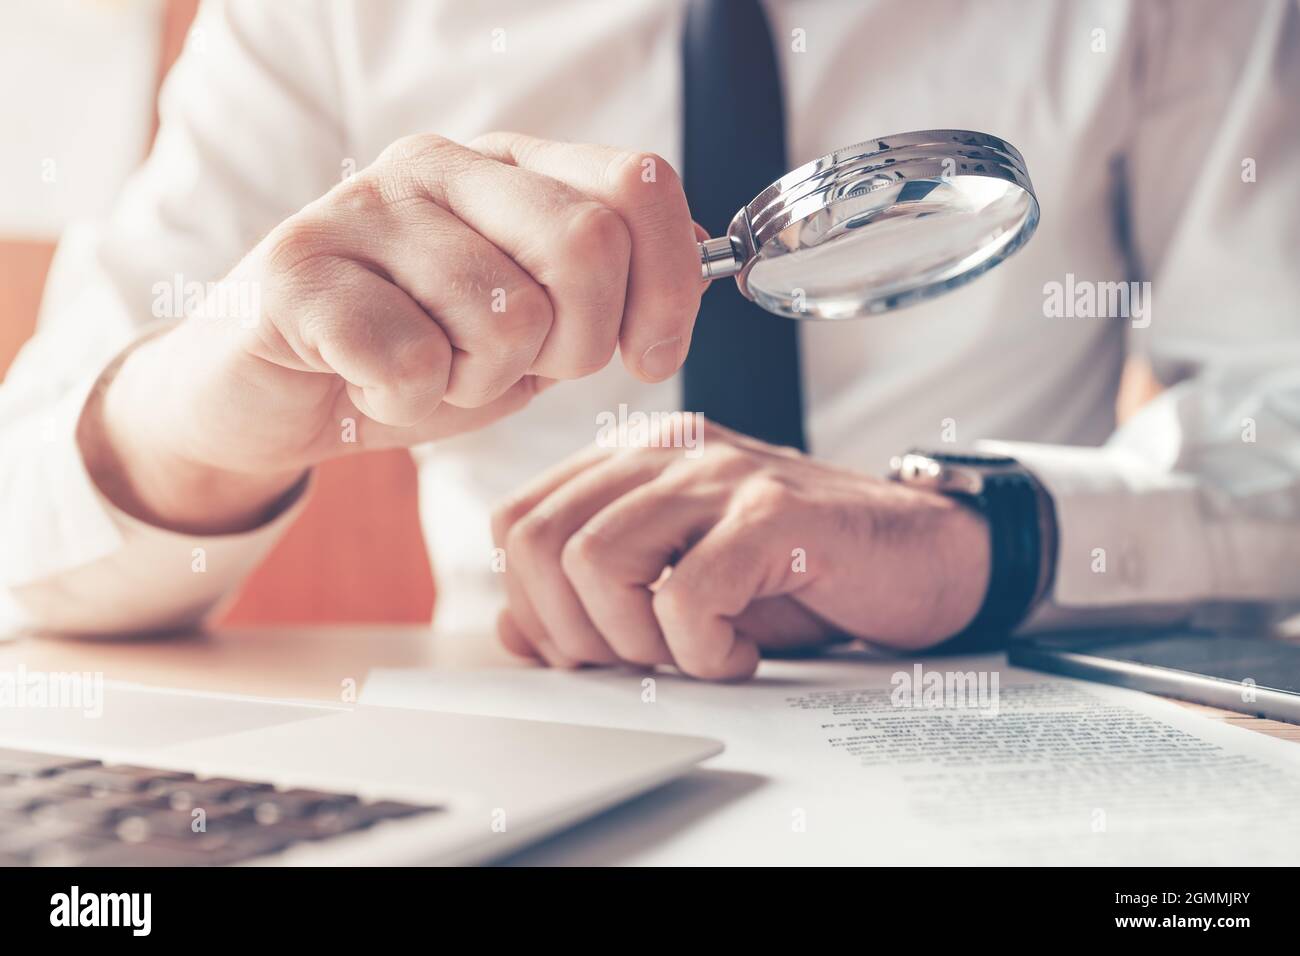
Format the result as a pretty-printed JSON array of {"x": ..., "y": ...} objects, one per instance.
[{"x": 1009, "y": 499}]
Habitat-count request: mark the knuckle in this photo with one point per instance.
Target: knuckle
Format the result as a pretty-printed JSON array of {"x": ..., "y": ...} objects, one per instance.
[
  {"x": 530, "y": 536},
  {"x": 763, "y": 496},
  {"x": 297, "y": 240},
  {"x": 671, "y": 605},
  {"x": 476, "y": 391},
  {"x": 596, "y": 240},
  {"x": 414, "y": 165},
  {"x": 414, "y": 147},
  {"x": 720, "y": 462},
  {"x": 422, "y": 365},
  {"x": 641, "y": 177},
  {"x": 485, "y": 141},
  {"x": 360, "y": 195},
  {"x": 598, "y": 237},
  {"x": 505, "y": 516},
  {"x": 522, "y": 323},
  {"x": 599, "y": 227},
  {"x": 674, "y": 610},
  {"x": 676, "y": 305},
  {"x": 322, "y": 330},
  {"x": 582, "y": 556}
]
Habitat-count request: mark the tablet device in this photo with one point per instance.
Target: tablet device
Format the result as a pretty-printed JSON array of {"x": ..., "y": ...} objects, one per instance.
[{"x": 1255, "y": 676}]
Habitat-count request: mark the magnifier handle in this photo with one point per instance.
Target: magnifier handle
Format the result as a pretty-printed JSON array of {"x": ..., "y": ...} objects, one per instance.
[{"x": 719, "y": 257}]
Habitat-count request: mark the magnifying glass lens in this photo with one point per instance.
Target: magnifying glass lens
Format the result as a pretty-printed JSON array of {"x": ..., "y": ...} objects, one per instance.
[
  {"x": 879, "y": 225},
  {"x": 887, "y": 247}
]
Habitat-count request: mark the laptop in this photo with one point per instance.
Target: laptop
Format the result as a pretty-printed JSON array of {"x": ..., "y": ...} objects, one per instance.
[{"x": 150, "y": 776}]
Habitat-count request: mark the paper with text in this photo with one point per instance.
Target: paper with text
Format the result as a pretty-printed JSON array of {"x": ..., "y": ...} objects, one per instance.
[{"x": 956, "y": 760}]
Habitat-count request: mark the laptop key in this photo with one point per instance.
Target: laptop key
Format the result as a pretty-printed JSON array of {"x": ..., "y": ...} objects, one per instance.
[
  {"x": 26, "y": 763},
  {"x": 104, "y": 809},
  {"x": 57, "y": 811},
  {"x": 279, "y": 805},
  {"x": 359, "y": 816},
  {"x": 121, "y": 779},
  {"x": 29, "y": 794},
  {"x": 183, "y": 824},
  {"x": 186, "y": 795},
  {"x": 333, "y": 821}
]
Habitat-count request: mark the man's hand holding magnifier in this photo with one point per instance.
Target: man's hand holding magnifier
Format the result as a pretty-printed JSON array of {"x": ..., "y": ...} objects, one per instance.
[{"x": 431, "y": 293}]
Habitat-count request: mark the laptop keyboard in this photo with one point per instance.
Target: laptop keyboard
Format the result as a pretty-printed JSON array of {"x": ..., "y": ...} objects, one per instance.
[{"x": 61, "y": 811}]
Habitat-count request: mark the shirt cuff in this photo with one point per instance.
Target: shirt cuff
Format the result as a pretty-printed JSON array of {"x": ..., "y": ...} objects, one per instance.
[
  {"x": 76, "y": 563},
  {"x": 1128, "y": 535}
]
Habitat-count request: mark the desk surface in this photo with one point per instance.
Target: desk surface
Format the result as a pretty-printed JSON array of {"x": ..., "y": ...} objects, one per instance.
[
  {"x": 315, "y": 663},
  {"x": 318, "y": 663}
]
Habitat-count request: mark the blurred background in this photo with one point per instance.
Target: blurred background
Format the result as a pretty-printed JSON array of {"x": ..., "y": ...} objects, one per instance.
[{"x": 79, "y": 81}]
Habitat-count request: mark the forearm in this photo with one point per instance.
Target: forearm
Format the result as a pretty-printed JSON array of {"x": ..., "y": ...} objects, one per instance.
[{"x": 130, "y": 437}]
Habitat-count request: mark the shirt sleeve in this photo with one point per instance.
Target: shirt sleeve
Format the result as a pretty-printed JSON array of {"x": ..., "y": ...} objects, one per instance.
[
  {"x": 249, "y": 134},
  {"x": 1191, "y": 511}
]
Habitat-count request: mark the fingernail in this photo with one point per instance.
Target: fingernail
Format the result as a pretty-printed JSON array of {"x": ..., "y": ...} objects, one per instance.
[{"x": 660, "y": 360}]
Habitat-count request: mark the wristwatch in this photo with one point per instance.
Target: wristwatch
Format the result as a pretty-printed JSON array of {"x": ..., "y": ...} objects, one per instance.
[{"x": 1022, "y": 531}]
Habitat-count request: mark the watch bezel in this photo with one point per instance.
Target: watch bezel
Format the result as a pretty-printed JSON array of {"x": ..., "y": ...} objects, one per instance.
[{"x": 949, "y": 473}]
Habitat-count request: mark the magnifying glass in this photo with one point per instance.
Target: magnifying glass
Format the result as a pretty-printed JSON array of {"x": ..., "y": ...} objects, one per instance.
[{"x": 878, "y": 225}]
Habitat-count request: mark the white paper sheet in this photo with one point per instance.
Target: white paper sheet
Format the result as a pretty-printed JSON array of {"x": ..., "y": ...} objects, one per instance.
[{"x": 825, "y": 764}]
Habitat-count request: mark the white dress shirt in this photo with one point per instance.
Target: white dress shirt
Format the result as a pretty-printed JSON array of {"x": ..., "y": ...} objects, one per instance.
[
  {"x": 53, "y": 106},
  {"x": 1185, "y": 111}
]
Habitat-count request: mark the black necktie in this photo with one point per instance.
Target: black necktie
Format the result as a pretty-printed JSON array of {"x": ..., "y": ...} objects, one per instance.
[{"x": 743, "y": 367}]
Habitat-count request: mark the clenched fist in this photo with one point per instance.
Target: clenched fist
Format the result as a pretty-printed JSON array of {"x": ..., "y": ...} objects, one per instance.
[{"x": 430, "y": 293}]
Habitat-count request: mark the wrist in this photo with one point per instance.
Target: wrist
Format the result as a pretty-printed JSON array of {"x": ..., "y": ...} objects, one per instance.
[
  {"x": 927, "y": 578},
  {"x": 965, "y": 549},
  {"x": 132, "y": 440},
  {"x": 1020, "y": 532}
]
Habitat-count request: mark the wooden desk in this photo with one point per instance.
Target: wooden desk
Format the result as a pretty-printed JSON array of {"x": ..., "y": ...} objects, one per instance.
[
  {"x": 315, "y": 663},
  {"x": 309, "y": 663}
]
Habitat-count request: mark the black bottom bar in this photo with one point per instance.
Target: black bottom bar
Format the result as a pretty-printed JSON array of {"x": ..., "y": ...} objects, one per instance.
[{"x": 335, "y": 906}]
